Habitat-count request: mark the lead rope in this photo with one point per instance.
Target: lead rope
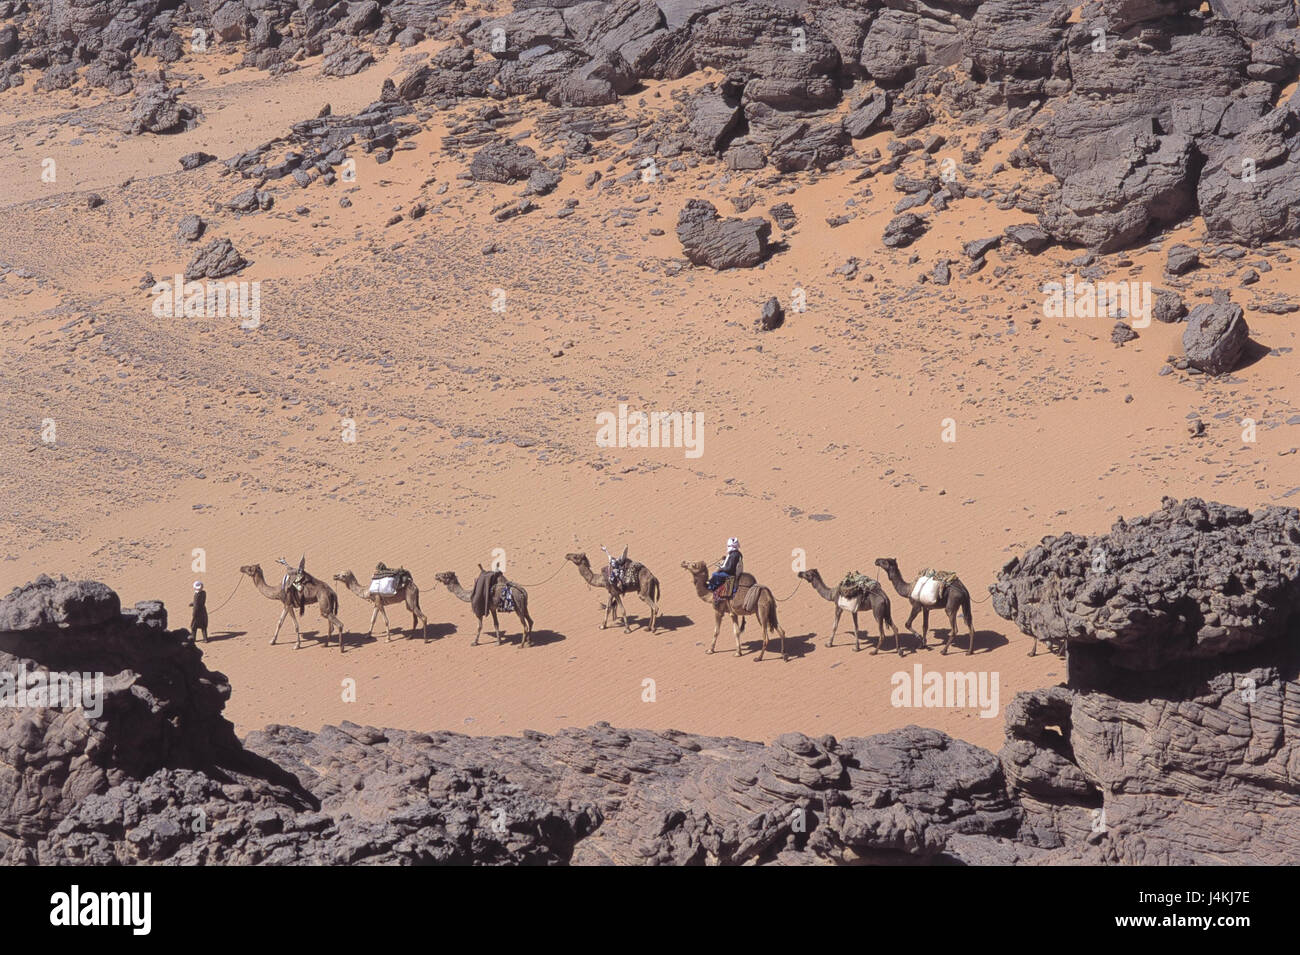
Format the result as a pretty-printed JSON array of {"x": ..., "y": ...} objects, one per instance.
[
  {"x": 232, "y": 594},
  {"x": 793, "y": 592},
  {"x": 548, "y": 579}
]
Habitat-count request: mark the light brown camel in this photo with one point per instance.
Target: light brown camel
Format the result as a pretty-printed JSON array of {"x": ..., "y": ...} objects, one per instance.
[
  {"x": 493, "y": 602},
  {"x": 408, "y": 594},
  {"x": 313, "y": 591},
  {"x": 956, "y": 597},
  {"x": 876, "y": 598},
  {"x": 764, "y": 609},
  {"x": 646, "y": 587}
]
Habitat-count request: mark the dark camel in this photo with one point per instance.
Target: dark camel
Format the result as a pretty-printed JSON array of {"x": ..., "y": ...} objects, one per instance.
[
  {"x": 876, "y": 598},
  {"x": 956, "y": 597},
  {"x": 409, "y": 595},
  {"x": 313, "y": 591},
  {"x": 495, "y": 600},
  {"x": 647, "y": 588},
  {"x": 765, "y": 609}
]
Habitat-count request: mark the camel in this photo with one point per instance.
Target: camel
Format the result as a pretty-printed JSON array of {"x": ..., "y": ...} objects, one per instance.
[
  {"x": 956, "y": 597},
  {"x": 313, "y": 591},
  {"x": 495, "y": 599},
  {"x": 409, "y": 595},
  {"x": 765, "y": 608},
  {"x": 647, "y": 588},
  {"x": 876, "y": 598}
]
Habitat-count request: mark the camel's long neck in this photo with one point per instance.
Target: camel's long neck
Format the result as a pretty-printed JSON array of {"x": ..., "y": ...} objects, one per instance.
[
  {"x": 701, "y": 590},
  {"x": 820, "y": 586},
  {"x": 459, "y": 592},
  {"x": 902, "y": 586},
  {"x": 265, "y": 589},
  {"x": 589, "y": 575},
  {"x": 353, "y": 585}
]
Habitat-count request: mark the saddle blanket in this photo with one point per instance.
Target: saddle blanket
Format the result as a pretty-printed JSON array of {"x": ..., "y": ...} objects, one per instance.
[
  {"x": 507, "y": 598},
  {"x": 384, "y": 586},
  {"x": 850, "y": 604}
]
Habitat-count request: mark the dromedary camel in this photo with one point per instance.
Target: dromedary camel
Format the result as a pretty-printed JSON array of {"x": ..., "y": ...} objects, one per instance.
[
  {"x": 313, "y": 591},
  {"x": 956, "y": 597},
  {"x": 646, "y": 587},
  {"x": 764, "y": 607},
  {"x": 491, "y": 602},
  {"x": 408, "y": 594},
  {"x": 876, "y": 598}
]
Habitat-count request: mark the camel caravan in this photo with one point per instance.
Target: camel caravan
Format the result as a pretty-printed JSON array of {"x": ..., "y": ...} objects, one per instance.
[{"x": 725, "y": 587}]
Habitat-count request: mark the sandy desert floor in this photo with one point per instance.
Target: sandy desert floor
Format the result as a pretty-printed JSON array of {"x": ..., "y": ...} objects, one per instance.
[{"x": 476, "y": 429}]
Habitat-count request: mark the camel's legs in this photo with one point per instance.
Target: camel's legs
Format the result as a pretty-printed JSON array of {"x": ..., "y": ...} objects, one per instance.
[
  {"x": 496, "y": 625},
  {"x": 925, "y": 624},
  {"x": 762, "y": 622},
  {"x": 735, "y": 626},
  {"x": 293, "y": 615},
  {"x": 654, "y": 611},
  {"x": 970, "y": 627},
  {"x": 835, "y": 626},
  {"x": 284, "y": 613},
  {"x": 373, "y": 617},
  {"x": 857, "y": 638},
  {"x": 479, "y": 632},
  {"x": 527, "y": 625},
  {"x": 388, "y": 626},
  {"x": 916, "y": 608}
]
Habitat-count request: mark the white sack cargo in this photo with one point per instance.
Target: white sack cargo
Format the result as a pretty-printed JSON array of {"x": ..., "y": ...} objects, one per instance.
[
  {"x": 384, "y": 586},
  {"x": 926, "y": 591}
]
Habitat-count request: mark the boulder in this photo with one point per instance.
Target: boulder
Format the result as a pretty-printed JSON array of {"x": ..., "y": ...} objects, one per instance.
[
  {"x": 1215, "y": 336},
  {"x": 708, "y": 239}
]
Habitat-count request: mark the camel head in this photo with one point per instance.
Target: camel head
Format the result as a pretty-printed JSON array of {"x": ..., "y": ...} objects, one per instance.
[
  {"x": 447, "y": 577},
  {"x": 808, "y": 575},
  {"x": 346, "y": 577},
  {"x": 578, "y": 559},
  {"x": 252, "y": 570},
  {"x": 888, "y": 564},
  {"x": 694, "y": 567}
]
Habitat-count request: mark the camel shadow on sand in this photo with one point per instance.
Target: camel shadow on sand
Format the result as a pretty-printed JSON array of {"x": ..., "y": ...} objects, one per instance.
[
  {"x": 986, "y": 641},
  {"x": 540, "y": 638},
  {"x": 797, "y": 645}
]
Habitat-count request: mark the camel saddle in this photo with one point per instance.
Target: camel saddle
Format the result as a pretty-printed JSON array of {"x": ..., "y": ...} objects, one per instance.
[
  {"x": 628, "y": 576},
  {"x": 749, "y": 600},
  {"x": 734, "y": 586}
]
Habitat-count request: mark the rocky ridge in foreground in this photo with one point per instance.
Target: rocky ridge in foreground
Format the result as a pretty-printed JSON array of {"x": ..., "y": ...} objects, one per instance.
[{"x": 1175, "y": 740}]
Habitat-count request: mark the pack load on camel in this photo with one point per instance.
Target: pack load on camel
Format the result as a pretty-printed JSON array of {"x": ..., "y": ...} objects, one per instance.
[
  {"x": 931, "y": 586},
  {"x": 857, "y": 584},
  {"x": 387, "y": 581}
]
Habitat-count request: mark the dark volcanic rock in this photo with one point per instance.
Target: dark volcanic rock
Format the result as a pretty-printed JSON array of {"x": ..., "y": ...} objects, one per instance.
[
  {"x": 159, "y": 110},
  {"x": 721, "y": 243},
  {"x": 215, "y": 260},
  {"x": 772, "y": 315},
  {"x": 504, "y": 162},
  {"x": 903, "y": 230},
  {"x": 1215, "y": 336},
  {"x": 1249, "y": 191},
  {"x": 1192, "y": 581}
]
